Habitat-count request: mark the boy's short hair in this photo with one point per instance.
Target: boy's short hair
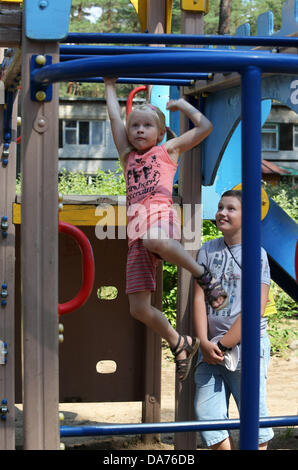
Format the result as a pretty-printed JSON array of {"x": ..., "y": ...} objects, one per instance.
[{"x": 233, "y": 193}]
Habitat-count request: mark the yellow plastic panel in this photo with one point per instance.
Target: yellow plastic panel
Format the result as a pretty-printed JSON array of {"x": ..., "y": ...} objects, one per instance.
[
  {"x": 195, "y": 5},
  {"x": 11, "y": 1},
  {"x": 141, "y": 9},
  {"x": 264, "y": 201},
  {"x": 89, "y": 215},
  {"x": 270, "y": 306},
  {"x": 169, "y": 8}
]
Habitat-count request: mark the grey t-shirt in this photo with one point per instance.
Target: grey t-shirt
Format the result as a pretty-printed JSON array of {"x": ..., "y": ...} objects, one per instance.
[{"x": 217, "y": 257}]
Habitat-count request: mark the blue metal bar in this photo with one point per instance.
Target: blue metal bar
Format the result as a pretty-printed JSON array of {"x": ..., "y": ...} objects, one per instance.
[
  {"x": 144, "y": 38},
  {"x": 128, "y": 65},
  {"x": 142, "y": 81},
  {"x": 177, "y": 75},
  {"x": 183, "y": 426},
  {"x": 117, "y": 50},
  {"x": 122, "y": 50},
  {"x": 251, "y": 257}
]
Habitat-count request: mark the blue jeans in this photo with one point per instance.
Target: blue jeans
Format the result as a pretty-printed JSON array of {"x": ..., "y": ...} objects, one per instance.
[{"x": 214, "y": 386}]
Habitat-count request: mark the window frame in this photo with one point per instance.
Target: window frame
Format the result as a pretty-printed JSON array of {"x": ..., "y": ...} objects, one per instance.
[
  {"x": 76, "y": 130},
  {"x": 274, "y": 131},
  {"x": 295, "y": 132}
]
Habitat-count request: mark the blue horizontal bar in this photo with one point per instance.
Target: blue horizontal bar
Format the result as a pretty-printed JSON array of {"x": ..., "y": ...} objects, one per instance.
[
  {"x": 128, "y": 65},
  {"x": 116, "y": 50},
  {"x": 183, "y": 426},
  {"x": 122, "y": 50},
  {"x": 144, "y": 38},
  {"x": 142, "y": 81},
  {"x": 179, "y": 75}
]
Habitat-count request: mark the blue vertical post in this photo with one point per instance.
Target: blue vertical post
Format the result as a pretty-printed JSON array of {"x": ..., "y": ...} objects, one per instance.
[{"x": 251, "y": 257}]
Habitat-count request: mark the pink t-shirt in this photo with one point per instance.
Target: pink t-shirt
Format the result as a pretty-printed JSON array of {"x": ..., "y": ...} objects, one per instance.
[{"x": 149, "y": 184}]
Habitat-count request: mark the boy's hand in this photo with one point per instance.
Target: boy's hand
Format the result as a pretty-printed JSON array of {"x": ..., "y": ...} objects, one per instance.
[{"x": 211, "y": 353}]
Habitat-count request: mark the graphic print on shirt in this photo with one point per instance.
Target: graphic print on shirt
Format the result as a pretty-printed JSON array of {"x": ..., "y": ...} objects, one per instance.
[
  {"x": 142, "y": 179},
  {"x": 223, "y": 269}
]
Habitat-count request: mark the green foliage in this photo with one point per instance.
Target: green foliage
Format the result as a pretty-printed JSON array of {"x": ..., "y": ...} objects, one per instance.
[
  {"x": 169, "y": 298},
  {"x": 282, "y": 332},
  {"x": 209, "y": 231},
  {"x": 243, "y": 11},
  {"x": 103, "y": 183},
  {"x": 286, "y": 197},
  {"x": 285, "y": 305},
  {"x": 77, "y": 182},
  {"x": 80, "y": 16}
]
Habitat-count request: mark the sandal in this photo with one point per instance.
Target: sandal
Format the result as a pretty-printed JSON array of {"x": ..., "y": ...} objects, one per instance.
[
  {"x": 183, "y": 365},
  {"x": 213, "y": 290}
]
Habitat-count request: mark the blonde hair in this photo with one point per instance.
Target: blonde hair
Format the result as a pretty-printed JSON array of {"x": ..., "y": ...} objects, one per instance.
[{"x": 160, "y": 120}]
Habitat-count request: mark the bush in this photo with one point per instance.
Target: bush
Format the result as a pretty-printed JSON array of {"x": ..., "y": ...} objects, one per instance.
[
  {"x": 104, "y": 182},
  {"x": 286, "y": 197}
]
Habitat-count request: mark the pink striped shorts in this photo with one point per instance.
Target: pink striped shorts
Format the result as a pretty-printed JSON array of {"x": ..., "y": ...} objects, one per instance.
[{"x": 140, "y": 268}]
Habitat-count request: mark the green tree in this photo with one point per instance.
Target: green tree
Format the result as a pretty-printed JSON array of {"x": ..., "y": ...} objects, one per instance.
[
  {"x": 80, "y": 16},
  {"x": 118, "y": 16},
  {"x": 243, "y": 11},
  {"x": 224, "y": 16}
]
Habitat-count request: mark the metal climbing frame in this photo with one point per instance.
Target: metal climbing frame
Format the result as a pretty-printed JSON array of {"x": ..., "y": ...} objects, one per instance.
[{"x": 250, "y": 65}]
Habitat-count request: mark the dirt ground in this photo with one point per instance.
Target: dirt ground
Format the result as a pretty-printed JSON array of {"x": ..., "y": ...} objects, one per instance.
[{"x": 282, "y": 400}]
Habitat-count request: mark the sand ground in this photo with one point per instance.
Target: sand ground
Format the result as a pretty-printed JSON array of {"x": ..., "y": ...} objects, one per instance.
[{"x": 282, "y": 400}]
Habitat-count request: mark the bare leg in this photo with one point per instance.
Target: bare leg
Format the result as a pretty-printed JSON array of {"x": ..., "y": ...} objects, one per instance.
[
  {"x": 142, "y": 310},
  {"x": 173, "y": 252},
  {"x": 263, "y": 446},
  {"x": 226, "y": 444}
]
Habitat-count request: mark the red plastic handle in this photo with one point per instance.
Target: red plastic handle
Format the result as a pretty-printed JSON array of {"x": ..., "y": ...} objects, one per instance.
[
  {"x": 131, "y": 97},
  {"x": 88, "y": 268}
]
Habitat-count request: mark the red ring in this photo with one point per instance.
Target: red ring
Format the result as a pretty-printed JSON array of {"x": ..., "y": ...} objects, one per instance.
[{"x": 88, "y": 268}]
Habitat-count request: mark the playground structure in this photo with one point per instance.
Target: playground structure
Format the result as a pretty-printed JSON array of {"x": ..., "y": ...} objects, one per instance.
[{"x": 37, "y": 65}]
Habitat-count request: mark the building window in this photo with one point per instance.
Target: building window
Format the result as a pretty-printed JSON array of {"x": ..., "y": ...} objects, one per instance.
[
  {"x": 295, "y": 137},
  {"x": 270, "y": 137},
  {"x": 74, "y": 132}
]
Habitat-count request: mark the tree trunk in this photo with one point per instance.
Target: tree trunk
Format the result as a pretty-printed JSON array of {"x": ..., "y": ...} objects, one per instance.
[{"x": 224, "y": 16}]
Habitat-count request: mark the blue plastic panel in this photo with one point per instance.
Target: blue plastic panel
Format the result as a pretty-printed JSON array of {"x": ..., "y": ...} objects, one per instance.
[
  {"x": 280, "y": 235},
  {"x": 229, "y": 171},
  {"x": 226, "y": 103},
  {"x": 46, "y": 20},
  {"x": 159, "y": 97}
]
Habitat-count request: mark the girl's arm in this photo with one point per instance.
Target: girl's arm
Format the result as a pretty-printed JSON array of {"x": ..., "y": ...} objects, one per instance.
[
  {"x": 188, "y": 140},
  {"x": 211, "y": 353},
  {"x": 114, "y": 112},
  {"x": 233, "y": 336}
]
